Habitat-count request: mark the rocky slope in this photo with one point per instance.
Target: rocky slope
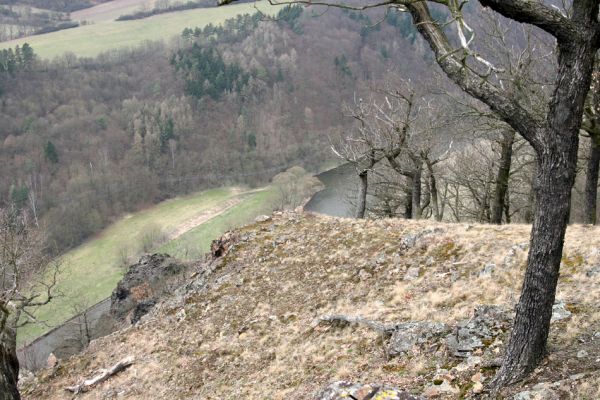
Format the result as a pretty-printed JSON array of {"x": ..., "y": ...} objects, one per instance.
[{"x": 303, "y": 307}]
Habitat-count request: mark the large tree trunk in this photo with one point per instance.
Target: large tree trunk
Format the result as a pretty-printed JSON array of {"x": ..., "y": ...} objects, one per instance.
[
  {"x": 557, "y": 161},
  {"x": 361, "y": 201},
  {"x": 503, "y": 176},
  {"x": 9, "y": 364},
  {"x": 591, "y": 181},
  {"x": 527, "y": 345}
]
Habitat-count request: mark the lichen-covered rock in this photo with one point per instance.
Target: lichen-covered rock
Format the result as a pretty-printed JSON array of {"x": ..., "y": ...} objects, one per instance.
[
  {"x": 487, "y": 324},
  {"x": 541, "y": 391},
  {"x": 144, "y": 284},
  {"x": 560, "y": 312},
  {"x": 410, "y": 334},
  {"x": 347, "y": 390}
]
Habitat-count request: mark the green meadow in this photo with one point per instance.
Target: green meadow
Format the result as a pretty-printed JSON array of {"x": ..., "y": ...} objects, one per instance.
[{"x": 103, "y": 36}]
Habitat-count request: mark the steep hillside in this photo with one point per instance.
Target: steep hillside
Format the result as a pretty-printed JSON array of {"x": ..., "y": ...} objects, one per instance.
[
  {"x": 91, "y": 271},
  {"x": 301, "y": 301}
]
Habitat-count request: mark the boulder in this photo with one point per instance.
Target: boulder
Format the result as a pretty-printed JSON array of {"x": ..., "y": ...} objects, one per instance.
[
  {"x": 143, "y": 285},
  {"x": 219, "y": 247},
  {"x": 347, "y": 390}
]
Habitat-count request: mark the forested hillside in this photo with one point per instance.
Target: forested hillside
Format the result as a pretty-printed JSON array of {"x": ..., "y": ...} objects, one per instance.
[{"x": 84, "y": 140}]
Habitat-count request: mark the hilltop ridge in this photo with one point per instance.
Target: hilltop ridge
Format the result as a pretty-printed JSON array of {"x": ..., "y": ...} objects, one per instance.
[{"x": 300, "y": 301}]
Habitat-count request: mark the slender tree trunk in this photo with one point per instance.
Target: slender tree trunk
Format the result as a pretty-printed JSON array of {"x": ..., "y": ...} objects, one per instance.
[
  {"x": 503, "y": 176},
  {"x": 434, "y": 196},
  {"x": 591, "y": 181},
  {"x": 361, "y": 201},
  {"x": 444, "y": 201},
  {"x": 416, "y": 193},
  {"x": 9, "y": 364},
  {"x": 408, "y": 199},
  {"x": 507, "y": 209}
]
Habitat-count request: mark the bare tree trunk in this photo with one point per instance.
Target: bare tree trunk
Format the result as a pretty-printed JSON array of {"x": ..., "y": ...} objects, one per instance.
[
  {"x": 361, "y": 201},
  {"x": 508, "y": 137},
  {"x": 557, "y": 162},
  {"x": 9, "y": 364},
  {"x": 444, "y": 201},
  {"x": 416, "y": 193},
  {"x": 408, "y": 200},
  {"x": 507, "y": 209},
  {"x": 591, "y": 181},
  {"x": 434, "y": 196},
  {"x": 527, "y": 343},
  {"x": 484, "y": 206}
]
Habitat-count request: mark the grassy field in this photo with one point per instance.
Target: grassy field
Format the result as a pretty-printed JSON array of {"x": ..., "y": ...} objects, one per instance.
[
  {"x": 111, "y": 10},
  {"x": 92, "y": 270},
  {"x": 196, "y": 242},
  {"x": 91, "y": 40}
]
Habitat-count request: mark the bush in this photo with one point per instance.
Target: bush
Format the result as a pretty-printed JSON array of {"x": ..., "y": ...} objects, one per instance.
[{"x": 152, "y": 236}]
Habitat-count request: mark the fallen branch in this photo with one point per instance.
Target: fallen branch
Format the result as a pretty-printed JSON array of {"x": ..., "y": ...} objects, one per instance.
[{"x": 104, "y": 375}]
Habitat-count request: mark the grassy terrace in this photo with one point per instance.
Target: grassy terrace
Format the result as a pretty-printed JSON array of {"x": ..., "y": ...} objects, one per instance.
[{"x": 92, "y": 270}]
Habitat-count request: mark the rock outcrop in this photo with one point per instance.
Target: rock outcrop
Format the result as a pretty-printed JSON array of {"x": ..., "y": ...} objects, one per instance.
[{"x": 144, "y": 284}]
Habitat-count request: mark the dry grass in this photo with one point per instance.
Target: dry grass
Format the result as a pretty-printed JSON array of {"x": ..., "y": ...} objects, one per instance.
[{"x": 251, "y": 335}]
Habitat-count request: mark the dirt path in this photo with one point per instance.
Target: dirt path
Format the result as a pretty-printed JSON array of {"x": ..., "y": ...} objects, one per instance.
[{"x": 204, "y": 217}]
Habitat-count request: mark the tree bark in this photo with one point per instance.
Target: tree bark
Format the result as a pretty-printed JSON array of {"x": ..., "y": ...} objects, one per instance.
[
  {"x": 9, "y": 364},
  {"x": 591, "y": 181},
  {"x": 361, "y": 201},
  {"x": 503, "y": 176}
]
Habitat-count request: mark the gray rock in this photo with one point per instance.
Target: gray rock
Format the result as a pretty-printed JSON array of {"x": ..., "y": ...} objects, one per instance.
[
  {"x": 540, "y": 391},
  {"x": 347, "y": 390},
  {"x": 509, "y": 259},
  {"x": 410, "y": 334},
  {"x": 262, "y": 218},
  {"x": 594, "y": 271},
  {"x": 445, "y": 388},
  {"x": 582, "y": 354},
  {"x": 412, "y": 273},
  {"x": 409, "y": 241},
  {"x": 487, "y": 270},
  {"x": 488, "y": 322},
  {"x": 560, "y": 312}
]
